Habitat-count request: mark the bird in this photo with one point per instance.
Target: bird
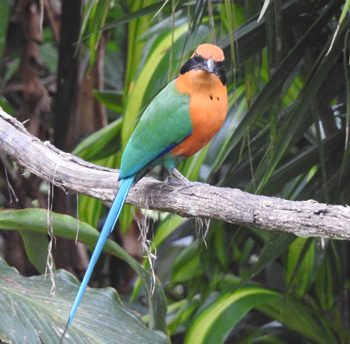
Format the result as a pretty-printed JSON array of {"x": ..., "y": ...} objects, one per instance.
[{"x": 180, "y": 120}]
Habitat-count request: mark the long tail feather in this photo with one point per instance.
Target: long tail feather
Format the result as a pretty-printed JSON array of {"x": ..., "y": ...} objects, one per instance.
[{"x": 107, "y": 228}]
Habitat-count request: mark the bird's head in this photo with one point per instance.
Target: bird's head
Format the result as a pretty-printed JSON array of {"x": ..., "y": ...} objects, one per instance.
[{"x": 207, "y": 57}]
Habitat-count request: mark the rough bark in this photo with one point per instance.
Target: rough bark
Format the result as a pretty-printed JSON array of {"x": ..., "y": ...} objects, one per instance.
[{"x": 302, "y": 218}]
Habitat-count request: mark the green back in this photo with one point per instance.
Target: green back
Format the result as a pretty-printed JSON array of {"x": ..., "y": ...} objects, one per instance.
[{"x": 164, "y": 124}]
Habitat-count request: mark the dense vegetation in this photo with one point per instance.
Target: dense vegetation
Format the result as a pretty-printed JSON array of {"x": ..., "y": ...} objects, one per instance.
[{"x": 286, "y": 135}]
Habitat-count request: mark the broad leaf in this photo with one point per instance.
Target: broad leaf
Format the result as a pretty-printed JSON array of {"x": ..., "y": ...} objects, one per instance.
[
  {"x": 66, "y": 226},
  {"x": 31, "y": 314}
]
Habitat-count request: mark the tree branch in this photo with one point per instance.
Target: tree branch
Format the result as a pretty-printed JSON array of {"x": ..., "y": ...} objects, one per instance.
[{"x": 74, "y": 175}]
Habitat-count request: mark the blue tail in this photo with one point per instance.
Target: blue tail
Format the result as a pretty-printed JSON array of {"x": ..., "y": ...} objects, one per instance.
[{"x": 107, "y": 228}]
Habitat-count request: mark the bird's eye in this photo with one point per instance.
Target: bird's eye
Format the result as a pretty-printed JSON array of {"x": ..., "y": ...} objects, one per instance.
[{"x": 196, "y": 56}]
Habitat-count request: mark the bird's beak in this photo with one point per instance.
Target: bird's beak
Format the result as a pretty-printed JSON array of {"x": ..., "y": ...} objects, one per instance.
[{"x": 210, "y": 65}]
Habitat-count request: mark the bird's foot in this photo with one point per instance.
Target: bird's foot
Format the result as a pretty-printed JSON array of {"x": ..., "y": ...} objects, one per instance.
[
  {"x": 179, "y": 180},
  {"x": 179, "y": 177}
]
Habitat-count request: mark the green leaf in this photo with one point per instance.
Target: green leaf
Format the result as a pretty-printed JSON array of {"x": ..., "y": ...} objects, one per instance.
[
  {"x": 95, "y": 17},
  {"x": 192, "y": 166},
  {"x": 289, "y": 133},
  {"x": 217, "y": 320},
  {"x": 187, "y": 265},
  {"x": 5, "y": 7},
  {"x": 90, "y": 210},
  {"x": 66, "y": 226},
  {"x": 139, "y": 21},
  {"x": 110, "y": 99},
  {"x": 303, "y": 319},
  {"x": 36, "y": 246},
  {"x": 100, "y": 144},
  {"x": 4, "y": 104},
  {"x": 165, "y": 228},
  {"x": 300, "y": 266},
  {"x": 31, "y": 314},
  {"x": 329, "y": 282},
  {"x": 344, "y": 13},
  {"x": 273, "y": 248},
  {"x": 302, "y": 163},
  {"x": 126, "y": 218},
  {"x": 274, "y": 85}
]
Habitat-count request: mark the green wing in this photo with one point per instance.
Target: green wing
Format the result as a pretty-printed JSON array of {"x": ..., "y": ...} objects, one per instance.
[{"x": 164, "y": 124}]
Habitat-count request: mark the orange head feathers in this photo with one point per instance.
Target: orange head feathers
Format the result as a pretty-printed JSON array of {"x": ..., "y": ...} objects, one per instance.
[
  {"x": 209, "y": 58},
  {"x": 208, "y": 51},
  {"x": 203, "y": 78}
]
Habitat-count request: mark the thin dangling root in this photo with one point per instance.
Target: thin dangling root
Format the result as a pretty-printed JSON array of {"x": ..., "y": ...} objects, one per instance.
[
  {"x": 202, "y": 229},
  {"x": 147, "y": 246}
]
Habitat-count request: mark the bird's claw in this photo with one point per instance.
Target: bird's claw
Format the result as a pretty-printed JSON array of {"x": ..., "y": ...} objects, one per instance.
[{"x": 179, "y": 181}]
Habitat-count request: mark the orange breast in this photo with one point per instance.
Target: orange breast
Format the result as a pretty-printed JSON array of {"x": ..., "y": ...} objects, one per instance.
[{"x": 208, "y": 108}]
